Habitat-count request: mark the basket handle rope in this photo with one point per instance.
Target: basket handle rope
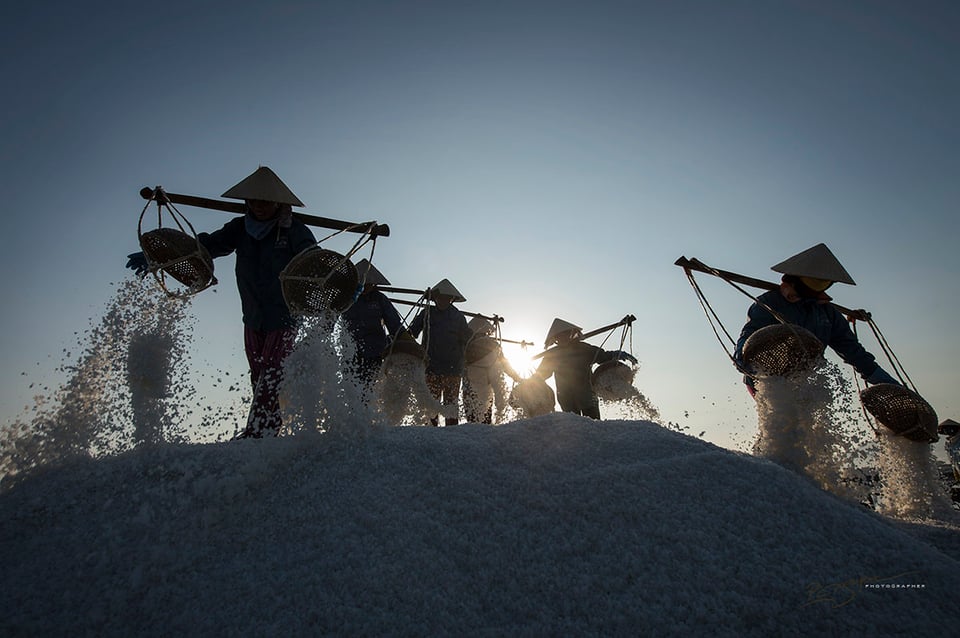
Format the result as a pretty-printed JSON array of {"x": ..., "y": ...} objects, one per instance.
[
  {"x": 627, "y": 329},
  {"x": 898, "y": 368},
  {"x": 895, "y": 365},
  {"x": 419, "y": 303},
  {"x": 366, "y": 235},
  {"x": 714, "y": 320},
  {"x": 158, "y": 270}
]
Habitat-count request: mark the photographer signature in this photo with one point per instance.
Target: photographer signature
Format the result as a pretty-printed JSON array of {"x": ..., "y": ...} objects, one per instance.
[{"x": 843, "y": 593}]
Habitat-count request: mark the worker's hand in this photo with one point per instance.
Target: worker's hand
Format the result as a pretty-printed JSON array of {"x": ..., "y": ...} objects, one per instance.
[
  {"x": 137, "y": 262},
  {"x": 880, "y": 376}
]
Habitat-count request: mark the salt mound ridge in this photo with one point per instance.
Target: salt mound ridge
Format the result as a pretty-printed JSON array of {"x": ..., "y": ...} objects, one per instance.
[{"x": 556, "y": 525}]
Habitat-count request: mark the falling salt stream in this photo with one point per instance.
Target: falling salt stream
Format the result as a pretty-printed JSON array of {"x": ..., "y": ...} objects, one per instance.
[
  {"x": 132, "y": 385},
  {"x": 616, "y": 385},
  {"x": 910, "y": 483},
  {"x": 812, "y": 426},
  {"x": 127, "y": 388},
  {"x": 402, "y": 393},
  {"x": 317, "y": 393},
  {"x": 487, "y": 380}
]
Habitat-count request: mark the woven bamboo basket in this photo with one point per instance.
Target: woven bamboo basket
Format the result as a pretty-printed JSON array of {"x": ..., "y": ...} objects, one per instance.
[
  {"x": 901, "y": 410},
  {"x": 613, "y": 381},
  {"x": 180, "y": 256},
  {"x": 781, "y": 350},
  {"x": 407, "y": 347},
  {"x": 317, "y": 280},
  {"x": 533, "y": 396},
  {"x": 480, "y": 347}
]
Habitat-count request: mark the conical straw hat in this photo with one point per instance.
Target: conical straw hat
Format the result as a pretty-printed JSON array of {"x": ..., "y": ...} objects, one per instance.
[
  {"x": 559, "y": 326},
  {"x": 480, "y": 325},
  {"x": 817, "y": 262},
  {"x": 263, "y": 184},
  {"x": 369, "y": 274},
  {"x": 444, "y": 287}
]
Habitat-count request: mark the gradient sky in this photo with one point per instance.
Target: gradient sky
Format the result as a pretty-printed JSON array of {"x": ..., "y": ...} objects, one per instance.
[{"x": 552, "y": 159}]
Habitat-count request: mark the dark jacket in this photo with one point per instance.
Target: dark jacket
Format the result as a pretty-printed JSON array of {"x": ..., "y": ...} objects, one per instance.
[
  {"x": 445, "y": 335},
  {"x": 572, "y": 365},
  {"x": 822, "y": 319},
  {"x": 365, "y": 321},
  {"x": 259, "y": 263}
]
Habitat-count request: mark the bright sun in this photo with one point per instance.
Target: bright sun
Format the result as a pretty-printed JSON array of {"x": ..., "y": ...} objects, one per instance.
[{"x": 521, "y": 358}]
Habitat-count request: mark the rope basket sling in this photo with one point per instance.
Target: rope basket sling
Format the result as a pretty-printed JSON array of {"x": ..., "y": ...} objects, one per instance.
[
  {"x": 180, "y": 256},
  {"x": 175, "y": 253},
  {"x": 781, "y": 350},
  {"x": 613, "y": 381},
  {"x": 317, "y": 280},
  {"x": 406, "y": 347},
  {"x": 402, "y": 386},
  {"x": 404, "y": 350},
  {"x": 784, "y": 349},
  {"x": 901, "y": 410}
]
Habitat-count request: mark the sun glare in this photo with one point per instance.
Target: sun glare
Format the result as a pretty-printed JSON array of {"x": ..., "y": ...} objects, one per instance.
[
  {"x": 520, "y": 345},
  {"x": 521, "y": 358}
]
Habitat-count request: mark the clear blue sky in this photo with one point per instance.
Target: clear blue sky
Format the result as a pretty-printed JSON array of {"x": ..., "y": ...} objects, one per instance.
[{"x": 549, "y": 158}]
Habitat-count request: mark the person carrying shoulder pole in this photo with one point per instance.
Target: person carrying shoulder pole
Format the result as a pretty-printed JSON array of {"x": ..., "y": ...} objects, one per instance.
[
  {"x": 264, "y": 239},
  {"x": 571, "y": 362},
  {"x": 445, "y": 337},
  {"x": 802, "y": 300}
]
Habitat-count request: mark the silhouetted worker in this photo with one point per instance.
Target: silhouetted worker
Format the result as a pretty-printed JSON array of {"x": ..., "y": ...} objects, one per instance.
[
  {"x": 265, "y": 239},
  {"x": 802, "y": 300},
  {"x": 445, "y": 336},
  {"x": 372, "y": 321},
  {"x": 571, "y": 362},
  {"x": 483, "y": 385}
]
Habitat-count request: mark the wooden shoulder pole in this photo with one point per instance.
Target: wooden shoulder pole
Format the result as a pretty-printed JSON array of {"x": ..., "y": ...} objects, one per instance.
[
  {"x": 626, "y": 321},
  {"x": 494, "y": 318},
  {"x": 163, "y": 197},
  {"x": 699, "y": 266}
]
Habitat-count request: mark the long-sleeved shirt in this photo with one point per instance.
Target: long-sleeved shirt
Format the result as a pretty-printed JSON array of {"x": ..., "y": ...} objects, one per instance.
[
  {"x": 445, "y": 336},
  {"x": 259, "y": 263},
  {"x": 822, "y": 319},
  {"x": 366, "y": 320},
  {"x": 572, "y": 366}
]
